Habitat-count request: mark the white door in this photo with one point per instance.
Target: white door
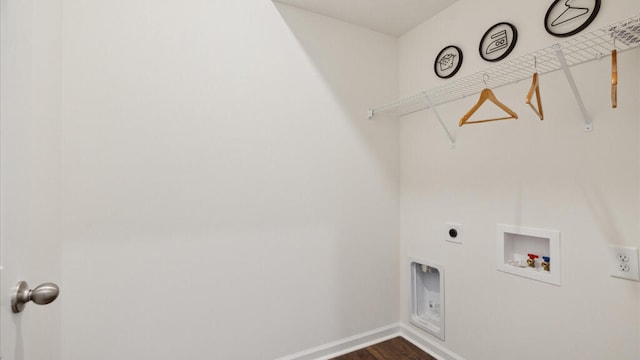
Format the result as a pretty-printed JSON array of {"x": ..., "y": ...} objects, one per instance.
[{"x": 30, "y": 95}]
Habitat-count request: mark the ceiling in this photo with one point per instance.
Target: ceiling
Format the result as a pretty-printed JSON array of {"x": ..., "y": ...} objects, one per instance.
[{"x": 393, "y": 17}]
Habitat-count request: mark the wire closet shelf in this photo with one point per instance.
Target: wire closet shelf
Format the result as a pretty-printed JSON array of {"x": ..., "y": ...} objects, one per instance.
[{"x": 594, "y": 45}]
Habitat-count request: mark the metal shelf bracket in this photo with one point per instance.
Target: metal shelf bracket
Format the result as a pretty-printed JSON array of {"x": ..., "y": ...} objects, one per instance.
[
  {"x": 452, "y": 140},
  {"x": 557, "y": 48}
]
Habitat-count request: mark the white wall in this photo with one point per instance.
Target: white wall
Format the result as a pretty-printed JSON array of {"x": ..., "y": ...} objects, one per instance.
[
  {"x": 546, "y": 174},
  {"x": 224, "y": 196},
  {"x": 30, "y": 82}
]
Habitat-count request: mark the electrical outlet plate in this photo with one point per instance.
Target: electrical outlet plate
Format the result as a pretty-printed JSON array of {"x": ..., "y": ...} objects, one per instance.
[
  {"x": 453, "y": 233},
  {"x": 623, "y": 262}
]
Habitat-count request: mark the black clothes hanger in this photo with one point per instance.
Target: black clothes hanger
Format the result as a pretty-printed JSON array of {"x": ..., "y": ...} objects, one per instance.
[{"x": 569, "y": 14}]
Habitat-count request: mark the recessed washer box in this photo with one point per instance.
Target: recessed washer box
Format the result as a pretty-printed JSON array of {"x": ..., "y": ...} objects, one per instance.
[
  {"x": 515, "y": 243},
  {"x": 427, "y": 297}
]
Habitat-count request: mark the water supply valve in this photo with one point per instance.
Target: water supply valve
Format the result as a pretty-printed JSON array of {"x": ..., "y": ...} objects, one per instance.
[
  {"x": 531, "y": 261},
  {"x": 546, "y": 263}
]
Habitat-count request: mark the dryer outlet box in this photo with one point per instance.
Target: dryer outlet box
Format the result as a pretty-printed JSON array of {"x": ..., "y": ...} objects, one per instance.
[{"x": 453, "y": 233}]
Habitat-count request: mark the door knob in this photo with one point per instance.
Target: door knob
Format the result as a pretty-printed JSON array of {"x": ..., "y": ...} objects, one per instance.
[{"x": 43, "y": 294}]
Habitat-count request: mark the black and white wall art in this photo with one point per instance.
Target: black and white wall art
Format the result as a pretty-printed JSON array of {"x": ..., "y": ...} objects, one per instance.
[
  {"x": 448, "y": 62},
  {"x": 498, "y": 42},
  {"x": 569, "y": 17}
]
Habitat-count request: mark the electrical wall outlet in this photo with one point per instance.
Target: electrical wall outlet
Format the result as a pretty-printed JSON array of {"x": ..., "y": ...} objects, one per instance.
[
  {"x": 623, "y": 262},
  {"x": 453, "y": 233}
]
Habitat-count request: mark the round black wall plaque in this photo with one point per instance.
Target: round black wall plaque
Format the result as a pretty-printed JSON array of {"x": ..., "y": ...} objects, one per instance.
[
  {"x": 569, "y": 17},
  {"x": 498, "y": 42},
  {"x": 448, "y": 62}
]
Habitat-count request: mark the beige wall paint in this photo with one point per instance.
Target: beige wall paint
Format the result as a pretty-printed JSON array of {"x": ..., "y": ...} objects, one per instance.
[
  {"x": 526, "y": 172},
  {"x": 223, "y": 194}
]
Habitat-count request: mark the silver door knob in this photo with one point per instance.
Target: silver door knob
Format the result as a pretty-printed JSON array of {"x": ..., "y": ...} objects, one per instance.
[{"x": 43, "y": 294}]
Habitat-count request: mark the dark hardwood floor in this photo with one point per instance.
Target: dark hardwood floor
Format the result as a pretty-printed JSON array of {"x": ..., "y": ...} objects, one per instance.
[{"x": 394, "y": 349}]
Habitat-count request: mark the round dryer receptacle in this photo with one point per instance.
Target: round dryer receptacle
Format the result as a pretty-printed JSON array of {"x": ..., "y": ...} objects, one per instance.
[{"x": 453, "y": 233}]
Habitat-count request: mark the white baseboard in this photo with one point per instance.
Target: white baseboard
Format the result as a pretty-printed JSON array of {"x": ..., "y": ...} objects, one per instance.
[
  {"x": 419, "y": 339},
  {"x": 352, "y": 343},
  {"x": 347, "y": 345}
]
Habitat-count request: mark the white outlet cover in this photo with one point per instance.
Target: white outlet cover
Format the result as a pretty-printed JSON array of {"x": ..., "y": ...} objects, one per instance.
[
  {"x": 623, "y": 262},
  {"x": 447, "y": 233}
]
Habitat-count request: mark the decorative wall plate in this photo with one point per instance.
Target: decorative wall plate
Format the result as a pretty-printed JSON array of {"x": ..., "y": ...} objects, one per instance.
[
  {"x": 498, "y": 42},
  {"x": 569, "y": 17},
  {"x": 448, "y": 62}
]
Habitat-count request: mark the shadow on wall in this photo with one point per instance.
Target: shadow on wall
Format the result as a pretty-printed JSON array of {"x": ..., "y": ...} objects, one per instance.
[
  {"x": 602, "y": 212},
  {"x": 360, "y": 69}
]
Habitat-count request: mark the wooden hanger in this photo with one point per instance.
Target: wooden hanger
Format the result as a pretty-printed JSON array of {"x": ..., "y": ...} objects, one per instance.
[
  {"x": 485, "y": 95},
  {"x": 535, "y": 87},
  {"x": 614, "y": 78}
]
